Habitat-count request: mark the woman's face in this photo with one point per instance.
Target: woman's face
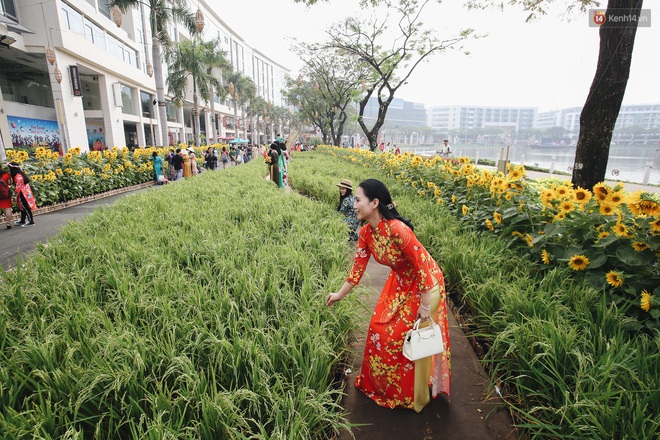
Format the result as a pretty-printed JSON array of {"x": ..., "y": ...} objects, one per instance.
[
  {"x": 342, "y": 191},
  {"x": 364, "y": 208}
]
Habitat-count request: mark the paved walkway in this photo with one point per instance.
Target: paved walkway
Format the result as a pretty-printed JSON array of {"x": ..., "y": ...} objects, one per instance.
[
  {"x": 17, "y": 240},
  {"x": 475, "y": 412}
]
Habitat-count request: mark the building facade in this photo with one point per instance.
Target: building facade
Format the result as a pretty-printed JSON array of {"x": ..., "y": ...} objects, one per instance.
[
  {"x": 460, "y": 117},
  {"x": 99, "y": 91},
  {"x": 400, "y": 113},
  {"x": 646, "y": 116}
]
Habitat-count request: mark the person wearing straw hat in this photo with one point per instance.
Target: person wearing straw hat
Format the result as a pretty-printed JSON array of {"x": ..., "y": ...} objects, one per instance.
[{"x": 346, "y": 207}]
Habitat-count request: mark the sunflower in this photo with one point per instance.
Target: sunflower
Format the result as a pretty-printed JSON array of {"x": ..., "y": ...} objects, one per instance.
[
  {"x": 621, "y": 230},
  {"x": 465, "y": 210},
  {"x": 655, "y": 225},
  {"x": 545, "y": 257},
  {"x": 578, "y": 262},
  {"x": 561, "y": 215},
  {"x": 563, "y": 191},
  {"x": 453, "y": 198},
  {"x": 615, "y": 198},
  {"x": 644, "y": 203},
  {"x": 497, "y": 217},
  {"x": 566, "y": 206},
  {"x": 607, "y": 209},
  {"x": 529, "y": 240},
  {"x": 489, "y": 225},
  {"x": 582, "y": 196},
  {"x": 640, "y": 246},
  {"x": 601, "y": 191},
  {"x": 603, "y": 234},
  {"x": 517, "y": 234},
  {"x": 614, "y": 279},
  {"x": 645, "y": 302}
]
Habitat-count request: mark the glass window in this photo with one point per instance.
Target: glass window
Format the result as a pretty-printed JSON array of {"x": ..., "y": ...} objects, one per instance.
[
  {"x": 104, "y": 8},
  {"x": 128, "y": 106},
  {"x": 25, "y": 85},
  {"x": 147, "y": 106},
  {"x": 115, "y": 47},
  {"x": 99, "y": 37},
  {"x": 8, "y": 9},
  {"x": 88, "y": 33},
  {"x": 172, "y": 111},
  {"x": 75, "y": 21}
]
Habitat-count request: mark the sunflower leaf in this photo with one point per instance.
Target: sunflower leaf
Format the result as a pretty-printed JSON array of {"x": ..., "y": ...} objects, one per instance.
[{"x": 633, "y": 258}]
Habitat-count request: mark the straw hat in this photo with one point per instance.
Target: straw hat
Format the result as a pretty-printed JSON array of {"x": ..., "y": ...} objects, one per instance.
[{"x": 345, "y": 183}]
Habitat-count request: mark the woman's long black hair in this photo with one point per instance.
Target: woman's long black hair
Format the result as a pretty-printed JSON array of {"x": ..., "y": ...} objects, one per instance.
[
  {"x": 14, "y": 169},
  {"x": 375, "y": 189},
  {"x": 341, "y": 198}
]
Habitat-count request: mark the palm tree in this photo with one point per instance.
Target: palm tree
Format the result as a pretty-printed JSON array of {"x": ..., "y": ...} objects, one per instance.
[
  {"x": 162, "y": 14},
  {"x": 255, "y": 110},
  {"x": 241, "y": 90},
  {"x": 196, "y": 60}
]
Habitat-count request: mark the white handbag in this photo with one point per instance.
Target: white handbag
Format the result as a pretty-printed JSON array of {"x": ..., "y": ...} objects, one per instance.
[{"x": 423, "y": 342}]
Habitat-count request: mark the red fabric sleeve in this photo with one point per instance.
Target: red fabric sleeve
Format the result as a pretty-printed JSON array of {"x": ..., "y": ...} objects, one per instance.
[
  {"x": 362, "y": 255},
  {"x": 416, "y": 255}
]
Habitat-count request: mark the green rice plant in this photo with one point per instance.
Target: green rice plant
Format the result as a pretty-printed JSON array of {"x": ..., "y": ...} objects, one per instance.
[{"x": 191, "y": 310}]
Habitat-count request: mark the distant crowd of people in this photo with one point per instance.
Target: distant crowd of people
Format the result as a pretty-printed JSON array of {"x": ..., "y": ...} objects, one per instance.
[{"x": 183, "y": 163}]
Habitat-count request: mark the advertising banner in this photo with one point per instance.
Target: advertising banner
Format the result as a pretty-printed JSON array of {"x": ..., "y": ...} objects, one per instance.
[{"x": 27, "y": 132}]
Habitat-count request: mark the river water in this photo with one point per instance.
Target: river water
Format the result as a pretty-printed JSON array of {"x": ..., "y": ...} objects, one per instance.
[{"x": 625, "y": 163}]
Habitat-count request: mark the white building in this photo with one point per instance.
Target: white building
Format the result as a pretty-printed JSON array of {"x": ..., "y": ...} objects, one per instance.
[
  {"x": 462, "y": 117},
  {"x": 646, "y": 116},
  {"x": 105, "y": 94}
]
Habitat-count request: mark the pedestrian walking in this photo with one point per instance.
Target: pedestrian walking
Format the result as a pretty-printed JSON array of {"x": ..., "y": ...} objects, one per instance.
[
  {"x": 177, "y": 164},
  {"x": 273, "y": 161},
  {"x": 210, "y": 158},
  {"x": 24, "y": 197},
  {"x": 5, "y": 195},
  {"x": 158, "y": 167}
]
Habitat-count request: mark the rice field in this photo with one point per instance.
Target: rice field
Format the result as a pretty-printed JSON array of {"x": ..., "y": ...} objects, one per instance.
[{"x": 193, "y": 310}]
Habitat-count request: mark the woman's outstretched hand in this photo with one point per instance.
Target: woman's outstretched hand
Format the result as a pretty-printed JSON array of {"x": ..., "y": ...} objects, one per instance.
[{"x": 332, "y": 298}]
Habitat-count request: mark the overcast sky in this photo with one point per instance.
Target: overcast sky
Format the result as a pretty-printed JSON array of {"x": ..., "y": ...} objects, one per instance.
[{"x": 548, "y": 64}]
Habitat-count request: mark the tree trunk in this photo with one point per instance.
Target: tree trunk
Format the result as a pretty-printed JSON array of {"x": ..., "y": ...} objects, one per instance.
[
  {"x": 236, "y": 134},
  {"x": 211, "y": 138},
  {"x": 160, "y": 90},
  {"x": 372, "y": 135},
  {"x": 196, "y": 126},
  {"x": 602, "y": 107}
]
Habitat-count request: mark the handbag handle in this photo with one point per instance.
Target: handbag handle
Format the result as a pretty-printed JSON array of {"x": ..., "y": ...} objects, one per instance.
[{"x": 416, "y": 325}]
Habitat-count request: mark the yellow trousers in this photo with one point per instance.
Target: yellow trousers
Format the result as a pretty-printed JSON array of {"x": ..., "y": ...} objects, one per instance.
[{"x": 423, "y": 366}]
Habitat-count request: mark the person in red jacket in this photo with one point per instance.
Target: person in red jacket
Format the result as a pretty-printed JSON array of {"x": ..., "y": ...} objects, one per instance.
[
  {"x": 5, "y": 203},
  {"x": 24, "y": 196}
]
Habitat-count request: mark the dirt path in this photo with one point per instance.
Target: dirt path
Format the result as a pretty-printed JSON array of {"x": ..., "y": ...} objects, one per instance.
[{"x": 472, "y": 413}]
